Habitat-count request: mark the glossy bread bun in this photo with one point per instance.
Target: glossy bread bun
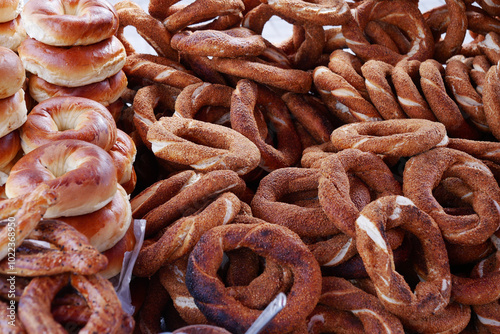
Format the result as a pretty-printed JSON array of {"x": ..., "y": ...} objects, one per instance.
[
  {"x": 74, "y": 66},
  {"x": 10, "y": 9},
  {"x": 12, "y": 74},
  {"x": 13, "y": 113},
  {"x": 12, "y": 33},
  {"x": 67, "y": 23},
  {"x": 82, "y": 175}
]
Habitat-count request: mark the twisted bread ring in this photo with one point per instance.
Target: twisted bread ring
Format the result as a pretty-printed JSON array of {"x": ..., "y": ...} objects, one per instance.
[
  {"x": 234, "y": 42},
  {"x": 431, "y": 296},
  {"x": 422, "y": 44},
  {"x": 409, "y": 97},
  {"x": 334, "y": 187},
  {"x": 453, "y": 319},
  {"x": 466, "y": 96},
  {"x": 396, "y": 137},
  {"x": 378, "y": 33},
  {"x": 173, "y": 279},
  {"x": 310, "y": 113},
  {"x": 484, "y": 150},
  {"x": 482, "y": 286},
  {"x": 140, "y": 66},
  {"x": 423, "y": 173},
  {"x": 340, "y": 294},
  {"x": 107, "y": 314},
  {"x": 200, "y": 11},
  {"x": 155, "y": 195},
  {"x": 196, "y": 192},
  {"x": 292, "y": 80},
  {"x": 323, "y": 13},
  {"x": 73, "y": 253},
  {"x": 491, "y": 7},
  {"x": 267, "y": 240},
  {"x": 245, "y": 98},
  {"x": 348, "y": 66},
  {"x": 381, "y": 93},
  {"x": 480, "y": 66},
  {"x": 193, "y": 97},
  {"x": 147, "y": 103},
  {"x": 195, "y": 329},
  {"x": 269, "y": 202},
  {"x": 220, "y": 22},
  {"x": 305, "y": 46},
  {"x": 27, "y": 211},
  {"x": 202, "y": 146},
  {"x": 174, "y": 242},
  {"x": 149, "y": 28},
  {"x": 491, "y": 100},
  {"x": 487, "y": 315},
  {"x": 346, "y": 102},
  {"x": 443, "y": 107},
  {"x": 456, "y": 29}
]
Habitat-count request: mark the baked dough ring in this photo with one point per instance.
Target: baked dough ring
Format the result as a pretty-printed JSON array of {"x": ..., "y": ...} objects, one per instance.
[
  {"x": 74, "y": 66},
  {"x": 69, "y": 22},
  {"x": 68, "y": 118},
  {"x": 81, "y": 174}
]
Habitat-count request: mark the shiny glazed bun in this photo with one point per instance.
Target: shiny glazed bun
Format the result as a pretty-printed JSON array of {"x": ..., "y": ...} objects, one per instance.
[
  {"x": 13, "y": 113},
  {"x": 12, "y": 74},
  {"x": 10, "y": 9},
  {"x": 67, "y": 23},
  {"x": 106, "y": 226},
  {"x": 116, "y": 253},
  {"x": 74, "y": 66},
  {"x": 105, "y": 92},
  {"x": 12, "y": 33},
  {"x": 68, "y": 118},
  {"x": 82, "y": 175}
]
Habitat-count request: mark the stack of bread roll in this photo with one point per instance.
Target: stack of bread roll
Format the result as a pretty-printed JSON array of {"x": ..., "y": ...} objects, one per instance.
[
  {"x": 12, "y": 32},
  {"x": 71, "y": 50},
  {"x": 74, "y": 67},
  {"x": 13, "y": 110}
]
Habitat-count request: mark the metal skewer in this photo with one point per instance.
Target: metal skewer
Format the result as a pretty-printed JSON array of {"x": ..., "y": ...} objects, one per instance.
[{"x": 268, "y": 314}]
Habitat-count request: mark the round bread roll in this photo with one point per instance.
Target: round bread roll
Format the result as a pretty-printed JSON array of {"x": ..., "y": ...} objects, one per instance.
[
  {"x": 67, "y": 23},
  {"x": 105, "y": 92},
  {"x": 82, "y": 175},
  {"x": 68, "y": 118},
  {"x": 13, "y": 113},
  {"x": 12, "y": 73},
  {"x": 123, "y": 154},
  {"x": 107, "y": 226},
  {"x": 10, "y": 144},
  {"x": 116, "y": 253},
  {"x": 12, "y": 33},
  {"x": 74, "y": 66},
  {"x": 10, "y": 9}
]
